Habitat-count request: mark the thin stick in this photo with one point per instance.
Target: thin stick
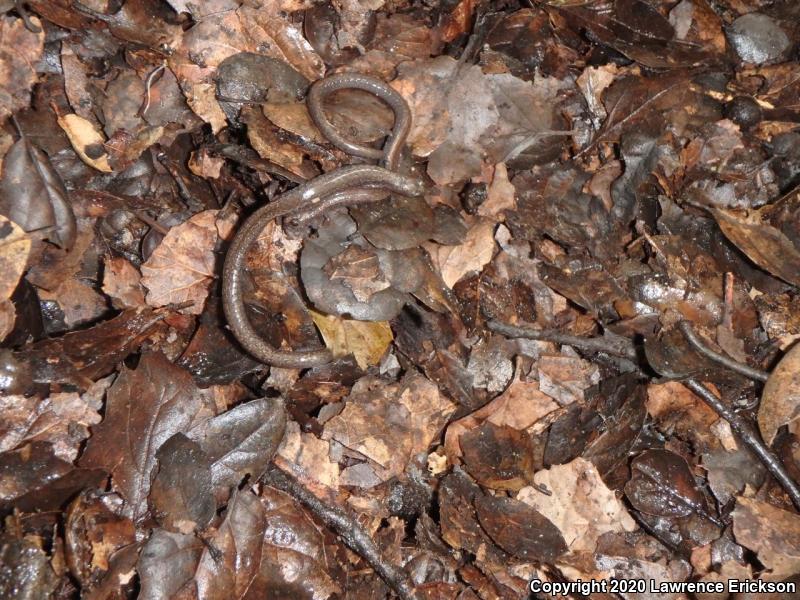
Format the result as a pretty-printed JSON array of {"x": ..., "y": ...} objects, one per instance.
[
  {"x": 750, "y": 437},
  {"x": 348, "y": 530},
  {"x": 621, "y": 347},
  {"x": 733, "y": 365}
]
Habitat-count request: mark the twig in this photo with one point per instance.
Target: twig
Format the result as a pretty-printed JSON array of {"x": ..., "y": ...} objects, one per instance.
[
  {"x": 348, "y": 530},
  {"x": 750, "y": 437},
  {"x": 733, "y": 365},
  {"x": 620, "y": 347}
]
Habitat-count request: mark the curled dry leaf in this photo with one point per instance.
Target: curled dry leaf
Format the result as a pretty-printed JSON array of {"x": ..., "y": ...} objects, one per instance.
[
  {"x": 367, "y": 341},
  {"x": 181, "y": 268},
  {"x": 33, "y": 195},
  {"x": 86, "y": 140},
  {"x": 780, "y": 400},
  {"x": 581, "y": 505},
  {"x": 15, "y": 246}
]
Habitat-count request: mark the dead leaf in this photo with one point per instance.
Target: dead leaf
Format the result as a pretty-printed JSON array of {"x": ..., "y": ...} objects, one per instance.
[
  {"x": 20, "y": 50},
  {"x": 181, "y": 268},
  {"x": 773, "y": 534},
  {"x": 780, "y": 400},
  {"x": 145, "y": 407},
  {"x": 122, "y": 283},
  {"x": 367, "y": 341},
  {"x": 765, "y": 245},
  {"x": 15, "y": 246},
  {"x": 87, "y": 141},
  {"x": 33, "y": 195},
  {"x": 454, "y": 262},
  {"x": 581, "y": 505},
  {"x": 387, "y": 425}
]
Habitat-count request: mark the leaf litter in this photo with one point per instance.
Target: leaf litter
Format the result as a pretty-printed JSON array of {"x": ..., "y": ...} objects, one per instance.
[{"x": 573, "y": 356}]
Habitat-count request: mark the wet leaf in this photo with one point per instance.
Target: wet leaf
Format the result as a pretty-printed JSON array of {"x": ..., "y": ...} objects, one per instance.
[
  {"x": 145, "y": 407},
  {"x": 663, "y": 485},
  {"x": 780, "y": 400},
  {"x": 33, "y": 195},
  {"x": 180, "y": 494},
  {"x": 167, "y": 564},
  {"x": 519, "y": 529},
  {"x": 241, "y": 441}
]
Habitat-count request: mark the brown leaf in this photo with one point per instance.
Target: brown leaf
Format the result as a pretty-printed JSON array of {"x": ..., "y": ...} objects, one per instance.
[
  {"x": 15, "y": 246},
  {"x": 33, "y": 195},
  {"x": 765, "y": 245},
  {"x": 241, "y": 441},
  {"x": 122, "y": 282},
  {"x": 20, "y": 50},
  {"x": 581, "y": 505},
  {"x": 265, "y": 545},
  {"x": 167, "y": 563},
  {"x": 181, "y": 268},
  {"x": 27, "y": 572},
  {"x": 519, "y": 529},
  {"x": 566, "y": 378},
  {"x": 33, "y": 478},
  {"x": 387, "y": 425},
  {"x": 145, "y": 407},
  {"x": 663, "y": 485},
  {"x": 92, "y": 534},
  {"x": 498, "y": 457},
  {"x": 780, "y": 400},
  {"x": 773, "y": 534},
  {"x": 63, "y": 419},
  {"x": 180, "y": 494},
  {"x": 454, "y": 262},
  {"x": 367, "y": 341}
]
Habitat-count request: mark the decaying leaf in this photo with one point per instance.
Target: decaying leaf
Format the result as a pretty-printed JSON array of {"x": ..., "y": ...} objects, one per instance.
[
  {"x": 780, "y": 400},
  {"x": 181, "y": 268},
  {"x": 20, "y": 49},
  {"x": 33, "y": 195},
  {"x": 145, "y": 407},
  {"x": 772, "y": 533},
  {"x": 581, "y": 505},
  {"x": 765, "y": 245},
  {"x": 15, "y": 246},
  {"x": 87, "y": 141},
  {"x": 454, "y": 262},
  {"x": 367, "y": 341}
]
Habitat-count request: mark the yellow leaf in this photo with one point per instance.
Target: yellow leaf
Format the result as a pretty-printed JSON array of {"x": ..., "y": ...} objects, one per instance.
[
  {"x": 365, "y": 340},
  {"x": 86, "y": 140}
]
